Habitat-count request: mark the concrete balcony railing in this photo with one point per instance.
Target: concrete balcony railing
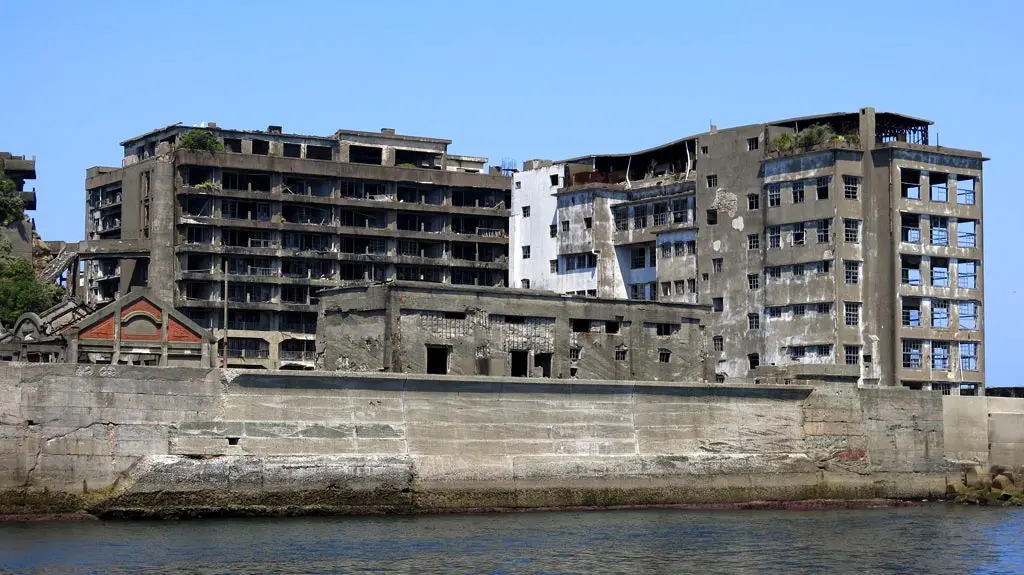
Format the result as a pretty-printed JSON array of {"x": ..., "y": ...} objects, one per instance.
[
  {"x": 248, "y": 353},
  {"x": 298, "y": 355}
]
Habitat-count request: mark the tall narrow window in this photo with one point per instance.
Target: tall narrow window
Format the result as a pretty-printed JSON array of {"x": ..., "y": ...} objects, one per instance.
[
  {"x": 851, "y": 187},
  {"x": 851, "y": 272},
  {"x": 851, "y": 313},
  {"x": 774, "y": 195},
  {"x": 798, "y": 192},
  {"x": 851, "y": 229}
]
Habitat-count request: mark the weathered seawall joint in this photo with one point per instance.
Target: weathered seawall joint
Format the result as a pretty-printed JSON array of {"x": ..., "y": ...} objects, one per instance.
[{"x": 151, "y": 442}]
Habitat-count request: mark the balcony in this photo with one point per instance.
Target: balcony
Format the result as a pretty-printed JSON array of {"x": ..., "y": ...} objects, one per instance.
[
  {"x": 248, "y": 353},
  {"x": 298, "y": 355}
]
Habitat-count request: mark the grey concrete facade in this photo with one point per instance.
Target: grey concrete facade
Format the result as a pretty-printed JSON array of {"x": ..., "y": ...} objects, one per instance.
[
  {"x": 861, "y": 250},
  {"x": 138, "y": 441},
  {"x": 19, "y": 234},
  {"x": 261, "y": 226},
  {"x": 404, "y": 327}
]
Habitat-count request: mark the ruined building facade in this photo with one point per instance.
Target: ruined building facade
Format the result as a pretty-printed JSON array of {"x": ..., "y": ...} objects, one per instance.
[
  {"x": 18, "y": 234},
  {"x": 253, "y": 231},
  {"x": 846, "y": 245}
]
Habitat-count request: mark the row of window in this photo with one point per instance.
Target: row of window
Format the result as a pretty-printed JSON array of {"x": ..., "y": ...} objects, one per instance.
[
  {"x": 966, "y": 272},
  {"x": 913, "y": 354},
  {"x": 910, "y": 187},
  {"x": 679, "y": 287},
  {"x": 913, "y": 316},
  {"x": 851, "y": 312},
  {"x": 677, "y": 212},
  {"x": 966, "y": 230},
  {"x": 679, "y": 248}
]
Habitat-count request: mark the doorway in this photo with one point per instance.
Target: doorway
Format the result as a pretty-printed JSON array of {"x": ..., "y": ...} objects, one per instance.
[
  {"x": 519, "y": 363},
  {"x": 543, "y": 361},
  {"x": 437, "y": 359}
]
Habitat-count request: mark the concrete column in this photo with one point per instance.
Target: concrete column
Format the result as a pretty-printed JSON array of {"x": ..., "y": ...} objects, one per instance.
[{"x": 162, "y": 228}]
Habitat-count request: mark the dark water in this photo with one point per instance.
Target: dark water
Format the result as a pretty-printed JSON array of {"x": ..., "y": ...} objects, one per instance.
[{"x": 931, "y": 539}]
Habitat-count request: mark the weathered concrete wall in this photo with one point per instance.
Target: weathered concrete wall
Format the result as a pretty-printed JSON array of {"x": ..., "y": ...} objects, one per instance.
[
  {"x": 984, "y": 430},
  {"x": 138, "y": 440}
]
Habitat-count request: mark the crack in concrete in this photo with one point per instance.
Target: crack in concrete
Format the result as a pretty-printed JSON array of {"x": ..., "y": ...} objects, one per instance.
[{"x": 42, "y": 442}]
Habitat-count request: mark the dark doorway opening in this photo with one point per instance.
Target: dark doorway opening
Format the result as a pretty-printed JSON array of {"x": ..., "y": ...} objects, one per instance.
[
  {"x": 520, "y": 363},
  {"x": 437, "y": 359},
  {"x": 543, "y": 361}
]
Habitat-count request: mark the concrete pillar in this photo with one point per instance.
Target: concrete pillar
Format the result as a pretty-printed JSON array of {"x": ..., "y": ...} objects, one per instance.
[{"x": 162, "y": 228}]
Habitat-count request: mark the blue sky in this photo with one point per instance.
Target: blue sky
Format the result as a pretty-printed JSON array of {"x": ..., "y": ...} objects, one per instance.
[{"x": 516, "y": 80}]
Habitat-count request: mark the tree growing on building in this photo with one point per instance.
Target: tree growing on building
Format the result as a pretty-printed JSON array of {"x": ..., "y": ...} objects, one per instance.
[
  {"x": 12, "y": 209},
  {"x": 200, "y": 141}
]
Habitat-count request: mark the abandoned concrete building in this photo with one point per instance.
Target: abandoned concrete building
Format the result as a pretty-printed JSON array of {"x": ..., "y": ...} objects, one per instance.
[
  {"x": 846, "y": 243},
  {"x": 409, "y": 327},
  {"x": 19, "y": 233},
  {"x": 240, "y": 237}
]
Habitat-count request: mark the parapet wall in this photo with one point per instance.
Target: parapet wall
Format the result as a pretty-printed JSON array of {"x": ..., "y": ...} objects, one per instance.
[{"x": 134, "y": 440}]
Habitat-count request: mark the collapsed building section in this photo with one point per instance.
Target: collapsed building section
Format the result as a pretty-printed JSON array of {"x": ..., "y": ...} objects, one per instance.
[
  {"x": 783, "y": 229},
  {"x": 408, "y": 327}
]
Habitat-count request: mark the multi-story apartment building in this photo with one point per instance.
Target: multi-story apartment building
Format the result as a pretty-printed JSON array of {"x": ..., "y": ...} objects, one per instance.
[
  {"x": 242, "y": 238},
  {"x": 19, "y": 233},
  {"x": 846, "y": 245}
]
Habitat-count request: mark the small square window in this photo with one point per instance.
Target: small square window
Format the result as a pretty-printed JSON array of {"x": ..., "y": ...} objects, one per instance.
[
  {"x": 751, "y": 144},
  {"x": 526, "y": 252},
  {"x": 574, "y": 353},
  {"x": 554, "y": 230},
  {"x": 565, "y": 225},
  {"x": 526, "y": 211},
  {"x": 664, "y": 355},
  {"x": 554, "y": 179},
  {"x": 620, "y": 355},
  {"x": 712, "y": 180},
  {"x": 753, "y": 281},
  {"x": 718, "y": 342},
  {"x": 703, "y": 150},
  {"x": 519, "y": 185},
  {"x": 753, "y": 241},
  {"x": 717, "y": 304},
  {"x": 716, "y": 265},
  {"x": 525, "y": 284}
]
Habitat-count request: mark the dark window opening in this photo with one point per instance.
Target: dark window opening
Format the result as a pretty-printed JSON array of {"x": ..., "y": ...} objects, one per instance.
[
  {"x": 232, "y": 441},
  {"x": 554, "y": 179},
  {"x": 611, "y": 327},
  {"x": 515, "y": 319},
  {"x": 580, "y": 325},
  {"x": 261, "y": 147},
  {"x": 910, "y": 184},
  {"x": 365, "y": 155},
  {"x": 543, "y": 361},
  {"x": 588, "y": 223},
  {"x": 417, "y": 159},
  {"x": 712, "y": 217},
  {"x": 319, "y": 153},
  {"x": 754, "y": 360},
  {"x": 437, "y": 359},
  {"x": 454, "y": 315},
  {"x": 233, "y": 145},
  {"x": 519, "y": 363},
  {"x": 293, "y": 150}
]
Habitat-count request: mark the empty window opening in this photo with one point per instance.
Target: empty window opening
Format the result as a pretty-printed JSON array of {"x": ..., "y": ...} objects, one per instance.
[
  {"x": 939, "y": 230},
  {"x": 639, "y": 217},
  {"x": 969, "y": 356},
  {"x": 524, "y": 283},
  {"x": 554, "y": 179},
  {"x": 454, "y": 315},
  {"x": 666, "y": 329},
  {"x": 910, "y": 184},
  {"x": 194, "y": 176},
  {"x": 966, "y": 233},
  {"x": 910, "y": 228},
  {"x": 365, "y": 155},
  {"x": 798, "y": 234},
  {"x": 542, "y": 361},
  {"x": 526, "y": 211},
  {"x": 292, "y": 150},
  {"x": 712, "y": 217},
  {"x": 712, "y": 180},
  {"x": 753, "y": 360},
  {"x": 319, "y": 152},
  {"x": 965, "y": 190},
  {"x": 519, "y": 362},
  {"x": 717, "y": 304},
  {"x": 526, "y": 252},
  {"x": 940, "y": 313},
  {"x": 580, "y": 325},
  {"x": 851, "y": 187},
  {"x": 417, "y": 159},
  {"x": 588, "y": 223},
  {"x": 664, "y": 356},
  {"x": 823, "y": 230},
  {"x": 910, "y": 270},
  {"x": 751, "y": 144},
  {"x": 911, "y": 354},
  {"x": 911, "y": 312},
  {"x": 437, "y": 359},
  {"x": 716, "y": 265},
  {"x": 611, "y": 327},
  {"x": 703, "y": 150},
  {"x": 232, "y": 441},
  {"x": 940, "y": 272},
  {"x": 967, "y": 315},
  {"x": 260, "y": 147},
  {"x": 821, "y": 187},
  {"x": 967, "y": 274},
  {"x": 718, "y": 342},
  {"x": 938, "y": 185},
  {"x": 233, "y": 145}
]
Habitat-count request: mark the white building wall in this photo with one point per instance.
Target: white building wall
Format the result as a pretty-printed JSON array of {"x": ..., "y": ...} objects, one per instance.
[{"x": 534, "y": 188}]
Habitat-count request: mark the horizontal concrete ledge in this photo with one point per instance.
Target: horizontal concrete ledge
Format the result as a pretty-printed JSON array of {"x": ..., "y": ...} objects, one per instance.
[{"x": 487, "y": 384}]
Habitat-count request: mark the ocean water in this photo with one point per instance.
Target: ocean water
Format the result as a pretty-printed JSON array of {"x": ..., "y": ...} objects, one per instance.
[{"x": 933, "y": 538}]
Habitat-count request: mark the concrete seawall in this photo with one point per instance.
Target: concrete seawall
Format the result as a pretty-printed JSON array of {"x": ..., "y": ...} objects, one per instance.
[{"x": 119, "y": 440}]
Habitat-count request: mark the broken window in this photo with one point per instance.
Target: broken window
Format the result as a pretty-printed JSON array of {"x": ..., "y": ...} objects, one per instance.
[
  {"x": 553, "y": 230},
  {"x": 691, "y": 285},
  {"x": 966, "y": 233},
  {"x": 851, "y": 272},
  {"x": 712, "y": 217},
  {"x": 620, "y": 354},
  {"x": 588, "y": 223},
  {"x": 823, "y": 230},
  {"x": 565, "y": 225},
  {"x": 910, "y": 228},
  {"x": 365, "y": 155},
  {"x": 666, "y": 329},
  {"x": 798, "y": 270},
  {"x": 753, "y": 321},
  {"x": 753, "y": 201},
  {"x": 774, "y": 195},
  {"x": 940, "y": 313},
  {"x": 969, "y": 356},
  {"x": 824, "y": 307},
  {"x": 664, "y": 355},
  {"x": 233, "y": 145},
  {"x": 967, "y": 315},
  {"x": 912, "y": 354},
  {"x": 773, "y": 312},
  {"x": 753, "y": 241},
  {"x": 910, "y": 184},
  {"x": 774, "y": 237},
  {"x": 526, "y": 211},
  {"x": 910, "y": 267},
  {"x": 639, "y": 217},
  {"x": 798, "y": 192},
  {"x": 660, "y": 214},
  {"x": 798, "y": 234},
  {"x": 691, "y": 247},
  {"x": 703, "y": 150},
  {"x": 965, "y": 190},
  {"x": 851, "y": 229},
  {"x": 680, "y": 287},
  {"x": 666, "y": 289},
  {"x": 799, "y": 310},
  {"x": 940, "y": 230},
  {"x": 636, "y": 291},
  {"x": 621, "y": 217},
  {"x": 852, "y": 354},
  {"x": 553, "y": 264},
  {"x": 712, "y": 180},
  {"x": 851, "y": 187},
  {"x": 796, "y": 352},
  {"x": 666, "y": 250},
  {"x": 774, "y": 272},
  {"x": 851, "y": 313},
  {"x": 940, "y": 355},
  {"x": 911, "y": 312},
  {"x": 716, "y": 265},
  {"x": 821, "y": 187},
  {"x": 554, "y": 179},
  {"x": 966, "y": 272},
  {"x": 751, "y": 144},
  {"x": 940, "y": 272},
  {"x": 753, "y": 281},
  {"x": 938, "y": 187},
  {"x": 717, "y": 304},
  {"x": 638, "y": 258}
]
